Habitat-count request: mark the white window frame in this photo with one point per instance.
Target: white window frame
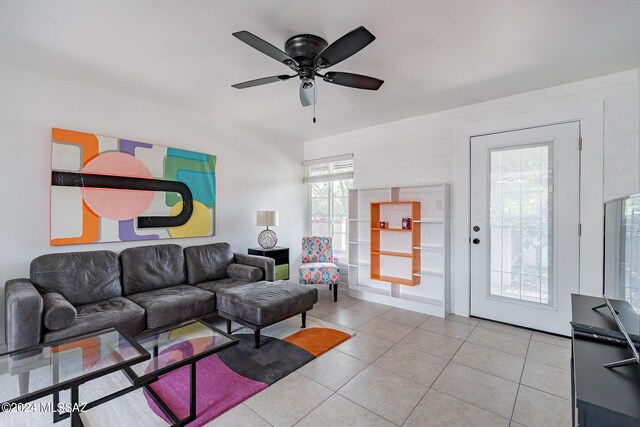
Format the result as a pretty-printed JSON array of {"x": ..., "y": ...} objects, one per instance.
[{"x": 331, "y": 177}]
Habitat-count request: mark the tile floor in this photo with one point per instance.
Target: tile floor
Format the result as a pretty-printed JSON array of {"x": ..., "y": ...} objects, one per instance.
[
  {"x": 400, "y": 368},
  {"x": 410, "y": 369}
]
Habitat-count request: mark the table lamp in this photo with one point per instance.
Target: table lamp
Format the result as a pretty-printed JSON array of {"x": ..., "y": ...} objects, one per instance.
[{"x": 267, "y": 239}]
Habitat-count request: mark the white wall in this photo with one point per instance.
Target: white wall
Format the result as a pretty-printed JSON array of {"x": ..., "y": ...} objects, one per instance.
[
  {"x": 254, "y": 171},
  {"x": 423, "y": 149}
]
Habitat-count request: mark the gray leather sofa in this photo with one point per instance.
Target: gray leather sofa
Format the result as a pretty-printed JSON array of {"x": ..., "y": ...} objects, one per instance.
[{"x": 142, "y": 288}]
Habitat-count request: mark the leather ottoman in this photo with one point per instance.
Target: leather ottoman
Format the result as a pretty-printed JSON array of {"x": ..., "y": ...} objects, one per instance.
[{"x": 261, "y": 304}]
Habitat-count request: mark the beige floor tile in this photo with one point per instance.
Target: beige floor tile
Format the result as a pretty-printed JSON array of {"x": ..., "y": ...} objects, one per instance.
[
  {"x": 369, "y": 307},
  {"x": 333, "y": 369},
  {"x": 312, "y": 322},
  {"x": 289, "y": 400},
  {"x": 112, "y": 413},
  {"x": 547, "y": 378},
  {"x": 536, "y": 408},
  {"x": 515, "y": 424},
  {"x": 365, "y": 347},
  {"x": 492, "y": 361},
  {"x": 385, "y": 329},
  {"x": 321, "y": 311},
  {"x": 338, "y": 411},
  {"x": 441, "y": 410},
  {"x": 507, "y": 329},
  {"x": 499, "y": 341},
  {"x": 551, "y": 339},
  {"x": 448, "y": 327},
  {"x": 468, "y": 320},
  {"x": 240, "y": 416},
  {"x": 389, "y": 395},
  {"x": 415, "y": 365},
  {"x": 550, "y": 354},
  {"x": 432, "y": 343},
  {"x": 478, "y": 388},
  {"x": 350, "y": 318},
  {"x": 406, "y": 317}
]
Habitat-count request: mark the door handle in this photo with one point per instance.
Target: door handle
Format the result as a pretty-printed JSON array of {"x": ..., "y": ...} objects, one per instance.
[{"x": 476, "y": 241}]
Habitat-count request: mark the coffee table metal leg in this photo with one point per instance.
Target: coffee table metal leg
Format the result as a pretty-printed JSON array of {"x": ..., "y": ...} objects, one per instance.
[
  {"x": 192, "y": 392},
  {"x": 228, "y": 326},
  {"x": 75, "y": 408}
]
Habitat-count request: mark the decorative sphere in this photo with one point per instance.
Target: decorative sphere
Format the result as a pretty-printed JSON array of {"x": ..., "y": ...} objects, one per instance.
[{"x": 267, "y": 239}]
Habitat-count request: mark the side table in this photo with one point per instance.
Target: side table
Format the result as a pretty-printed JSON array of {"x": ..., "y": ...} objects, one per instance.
[{"x": 280, "y": 255}]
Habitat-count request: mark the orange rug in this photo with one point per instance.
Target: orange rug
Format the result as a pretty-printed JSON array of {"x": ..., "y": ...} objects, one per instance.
[{"x": 317, "y": 340}]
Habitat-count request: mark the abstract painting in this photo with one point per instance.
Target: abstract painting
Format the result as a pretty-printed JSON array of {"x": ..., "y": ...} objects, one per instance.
[{"x": 106, "y": 189}]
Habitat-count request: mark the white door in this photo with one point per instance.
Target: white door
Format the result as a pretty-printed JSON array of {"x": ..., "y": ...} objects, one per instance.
[{"x": 525, "y": 211}]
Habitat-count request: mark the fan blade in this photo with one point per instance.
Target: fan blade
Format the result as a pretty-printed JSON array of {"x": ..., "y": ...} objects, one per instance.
[
  {"x": 266, "y": 48},
  {"x": 262, "y": 81},
  {"x": 307, "y": 95},
  {"x": 347, "y": 45},
  {"x": 357, "y": 81}
]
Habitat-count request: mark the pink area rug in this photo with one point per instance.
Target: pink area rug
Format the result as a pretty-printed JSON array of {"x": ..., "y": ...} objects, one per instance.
[{"x": 218, "y": 389}]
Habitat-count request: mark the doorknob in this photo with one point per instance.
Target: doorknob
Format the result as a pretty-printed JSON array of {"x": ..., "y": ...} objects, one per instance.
[
  {"x": 476, "y": 228},
  {"x": 476, "y": 241}
]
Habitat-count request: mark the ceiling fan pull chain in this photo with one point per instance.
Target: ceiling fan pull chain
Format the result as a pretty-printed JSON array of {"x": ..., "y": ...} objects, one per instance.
[{"x": 315, "y": 98}]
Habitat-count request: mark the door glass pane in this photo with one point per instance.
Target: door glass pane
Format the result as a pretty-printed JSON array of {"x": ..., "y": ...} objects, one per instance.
[{"x": 520, "y": 200}]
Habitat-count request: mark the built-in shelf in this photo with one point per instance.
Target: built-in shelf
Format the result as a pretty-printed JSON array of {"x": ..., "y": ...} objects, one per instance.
[
  {"x": 395, "y": 212},
  {"x": 392, "y": 229},
  {"x": 360, "y": 264},
  {"x": 429, "y": 273},
  {"x": 392, "y": 279},
  {"x": 391, "y": 253},
  {"x": 428, "y": 247},
  {"x": 402, "y": 270}
]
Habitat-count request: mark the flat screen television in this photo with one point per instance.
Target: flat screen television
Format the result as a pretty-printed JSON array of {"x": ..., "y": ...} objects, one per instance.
[
  {"x": 622, "y": 250},
  {"x": 622, "y": 270}
]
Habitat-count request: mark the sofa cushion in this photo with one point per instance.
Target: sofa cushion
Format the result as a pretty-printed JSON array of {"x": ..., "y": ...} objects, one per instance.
[
  {"x": 80, "y": 277},
  {"x": 245, "y": 272},
  {"x": 263, "y": 303},
  {"x": 57, "y": 313},
  {"x": 217, "y": 285},
  {"x": 208, "y": 262},
  {"x": 93, "y": 317},
  {"x": 174, "y": 304},
  {"x": 152, "y": 267}
]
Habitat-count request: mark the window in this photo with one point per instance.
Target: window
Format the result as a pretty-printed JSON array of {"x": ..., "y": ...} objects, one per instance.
[{"x": 329, "y": 181}]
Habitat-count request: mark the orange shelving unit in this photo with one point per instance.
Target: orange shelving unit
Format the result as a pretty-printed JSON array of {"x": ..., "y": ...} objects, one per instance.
[{"x": 412, "y": 252}]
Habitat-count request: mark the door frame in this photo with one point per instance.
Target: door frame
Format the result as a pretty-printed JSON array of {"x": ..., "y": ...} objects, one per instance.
[{"x": 590, "y": 115}]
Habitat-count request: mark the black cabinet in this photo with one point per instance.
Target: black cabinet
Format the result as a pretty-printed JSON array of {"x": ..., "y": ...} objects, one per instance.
[
  {"x": 603, "y": 397},
  {"x": 280, "y": 256}
]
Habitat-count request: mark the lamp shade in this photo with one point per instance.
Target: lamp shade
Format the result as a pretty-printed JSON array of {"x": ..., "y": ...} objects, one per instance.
[{"x": 267, "y": 218}]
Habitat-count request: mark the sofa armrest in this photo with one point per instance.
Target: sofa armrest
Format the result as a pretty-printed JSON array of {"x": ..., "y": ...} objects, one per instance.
[
  {"x": 23, "y": 314},
  {"x": 268, "y": 265}
]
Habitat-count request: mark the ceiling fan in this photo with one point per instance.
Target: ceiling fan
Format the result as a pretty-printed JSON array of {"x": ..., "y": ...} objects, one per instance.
[{"x": 307, "y": 55}]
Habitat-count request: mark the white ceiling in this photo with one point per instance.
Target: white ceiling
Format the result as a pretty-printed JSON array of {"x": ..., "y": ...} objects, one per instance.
[{"x": 433, "y": 55}]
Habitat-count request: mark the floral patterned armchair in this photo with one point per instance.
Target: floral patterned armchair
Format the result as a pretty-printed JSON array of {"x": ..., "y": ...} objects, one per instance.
[{"x": 317, "y": 263}]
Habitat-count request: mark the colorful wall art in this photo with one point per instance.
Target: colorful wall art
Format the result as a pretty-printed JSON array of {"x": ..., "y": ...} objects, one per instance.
[{"x": 107, "y": 189}]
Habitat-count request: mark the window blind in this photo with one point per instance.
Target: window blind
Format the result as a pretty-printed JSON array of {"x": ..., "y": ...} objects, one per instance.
[{"x": 328, "y": 169}]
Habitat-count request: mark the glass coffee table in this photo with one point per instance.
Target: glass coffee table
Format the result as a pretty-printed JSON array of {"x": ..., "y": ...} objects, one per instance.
[
  {"x": 48, "y": 369},
  {"x": 172, "y": 348}
]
